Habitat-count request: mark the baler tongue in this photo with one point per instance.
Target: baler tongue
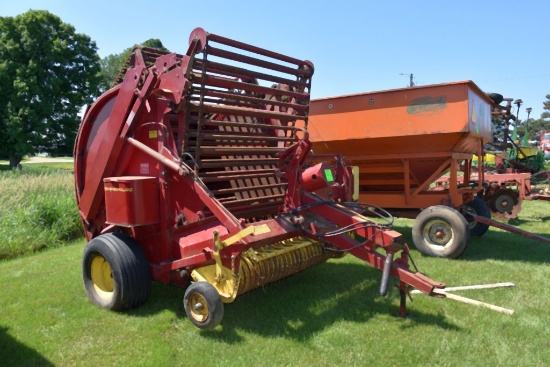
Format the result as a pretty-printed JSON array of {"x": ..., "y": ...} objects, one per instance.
[{"x": 344, "y": 229}]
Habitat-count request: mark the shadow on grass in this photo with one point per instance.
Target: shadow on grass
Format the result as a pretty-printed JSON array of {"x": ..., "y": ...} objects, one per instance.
[
  {"x": 304, "y": 304},
  {"x": 498, "y": 245},
  {"x": 518, "y": 221},
  {"x": 14, "y": 353},
  {"x": 509, "y": 247}
]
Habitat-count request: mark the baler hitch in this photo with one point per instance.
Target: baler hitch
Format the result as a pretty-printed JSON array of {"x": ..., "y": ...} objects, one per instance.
[{"x": 351, "y": 232}]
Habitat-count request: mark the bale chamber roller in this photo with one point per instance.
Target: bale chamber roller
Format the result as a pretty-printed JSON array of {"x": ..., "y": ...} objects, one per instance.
[{"x": 191, "y": 170}]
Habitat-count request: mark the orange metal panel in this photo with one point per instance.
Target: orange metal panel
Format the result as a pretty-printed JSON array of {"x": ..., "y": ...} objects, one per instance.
[
  {"x": 434, "y": 118},
  {"x": 403, "y": 139},
  {"x": 393, "y": 200}
]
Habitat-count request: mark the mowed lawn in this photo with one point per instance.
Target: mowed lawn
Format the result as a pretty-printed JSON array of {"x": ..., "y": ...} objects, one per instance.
[{"x": 329, "y": 315}]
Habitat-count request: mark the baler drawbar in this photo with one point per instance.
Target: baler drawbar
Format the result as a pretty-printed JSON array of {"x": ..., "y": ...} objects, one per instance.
[{"x": 191, "y": 170}]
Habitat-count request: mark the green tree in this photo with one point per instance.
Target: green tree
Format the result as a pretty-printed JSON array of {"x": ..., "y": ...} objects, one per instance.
[
  {"x": 47, "y": 73},
  {"x": 112, "y": 64},
  {"x": 536, "y": 126},
  {"x": 542, "y": 124}
]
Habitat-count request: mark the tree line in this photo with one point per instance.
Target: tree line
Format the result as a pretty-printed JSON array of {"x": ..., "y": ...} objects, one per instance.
[{"x": 48, "y": 72}]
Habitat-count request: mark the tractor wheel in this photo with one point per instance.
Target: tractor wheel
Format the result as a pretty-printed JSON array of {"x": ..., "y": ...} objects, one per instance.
[
  {"x": 203, "y": 305},
  {"x": 480, "y": 208},
  {"x": 441, "y": 231},
  {"x": 115, "y": 272}
]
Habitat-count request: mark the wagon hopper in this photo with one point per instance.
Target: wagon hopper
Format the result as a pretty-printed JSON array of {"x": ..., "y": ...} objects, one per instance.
[{"x": 403, "y": 140}]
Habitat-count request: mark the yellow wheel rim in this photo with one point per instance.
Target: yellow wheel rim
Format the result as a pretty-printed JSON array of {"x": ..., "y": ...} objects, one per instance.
[
  {"x": 198, "y": 307},
  {"x": 102, "y": 278}
]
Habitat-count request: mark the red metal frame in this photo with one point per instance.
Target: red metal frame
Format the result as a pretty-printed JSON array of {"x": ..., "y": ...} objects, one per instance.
[{"x": 169, "y": 119}]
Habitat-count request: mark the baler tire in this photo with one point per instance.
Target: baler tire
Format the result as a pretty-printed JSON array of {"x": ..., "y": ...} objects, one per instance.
[
  {"x": 440, "y": 220},
  {"x": 478, "y": 207},
  {"x": 203, "y": 305},
  {"x": 115, "y": 272}
]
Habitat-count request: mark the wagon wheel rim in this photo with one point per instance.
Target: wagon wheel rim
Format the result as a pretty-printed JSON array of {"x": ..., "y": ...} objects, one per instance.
[
  {"x": 102, "y": 277},
  {"x": 438, "y": 232},
  {"x": 198, "y": 307}
]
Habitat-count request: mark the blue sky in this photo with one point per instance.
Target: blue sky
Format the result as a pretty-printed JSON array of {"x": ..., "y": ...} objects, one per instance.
[{"x": 356, "y": 46}]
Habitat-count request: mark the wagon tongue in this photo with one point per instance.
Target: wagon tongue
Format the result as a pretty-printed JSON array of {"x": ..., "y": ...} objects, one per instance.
[{"x": 507, "y": 227}]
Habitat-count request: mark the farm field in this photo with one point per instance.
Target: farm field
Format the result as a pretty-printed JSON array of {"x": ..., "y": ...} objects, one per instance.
[{"x": 328, "y": 315}]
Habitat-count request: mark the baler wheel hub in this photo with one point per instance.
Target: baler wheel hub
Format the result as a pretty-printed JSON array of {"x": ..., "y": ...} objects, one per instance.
[
  {"x": 199, "y": 307},
  {"x": 102, "y": 278}
]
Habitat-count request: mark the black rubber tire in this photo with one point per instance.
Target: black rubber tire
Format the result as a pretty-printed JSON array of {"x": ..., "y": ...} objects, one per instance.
[
  {"x": 478, "y": 207},
  {"x": 440, "y": 220},
  {"x": 203, "y": 305},
  {"x": 119, "y": 257}
]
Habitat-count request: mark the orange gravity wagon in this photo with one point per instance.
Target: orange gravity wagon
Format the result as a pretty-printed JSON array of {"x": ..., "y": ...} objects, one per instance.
[{"x": 402, "y": 140}]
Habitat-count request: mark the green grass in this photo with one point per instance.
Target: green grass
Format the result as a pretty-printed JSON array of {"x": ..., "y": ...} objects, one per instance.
[
  {"x": 329, "y": 315},
  {"x": 37, "y": 209}
]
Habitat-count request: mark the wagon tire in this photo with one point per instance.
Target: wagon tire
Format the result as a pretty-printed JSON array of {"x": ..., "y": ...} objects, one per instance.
[
  {"x": 480, "y": 208},
  {"x": 203, "y": 305},
  {"x": 115, "y": 272},
  {"x": 441, "y": 231}
]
